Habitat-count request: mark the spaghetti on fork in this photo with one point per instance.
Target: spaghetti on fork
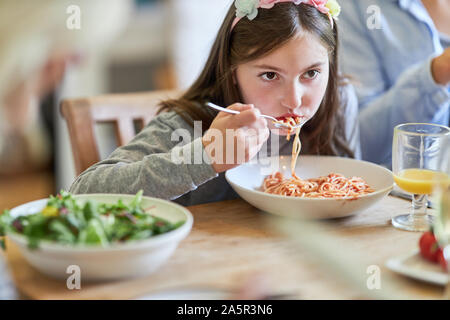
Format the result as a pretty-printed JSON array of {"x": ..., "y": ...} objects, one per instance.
[{"x": 297, "y": 146}]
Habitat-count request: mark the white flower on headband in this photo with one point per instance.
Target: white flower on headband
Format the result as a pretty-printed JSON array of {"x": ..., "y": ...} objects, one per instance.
[{"x": 247, "y": 8}]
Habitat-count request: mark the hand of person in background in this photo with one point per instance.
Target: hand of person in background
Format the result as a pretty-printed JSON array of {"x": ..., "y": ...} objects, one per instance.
[{"x": 440, "y": 68}]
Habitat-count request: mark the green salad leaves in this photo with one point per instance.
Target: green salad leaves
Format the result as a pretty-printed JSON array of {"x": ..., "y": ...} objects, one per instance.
[{"x": 66, "y": 221}]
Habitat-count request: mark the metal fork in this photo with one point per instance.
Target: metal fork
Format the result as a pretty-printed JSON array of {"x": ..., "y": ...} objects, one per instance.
[{"x": 276, "y": 124}]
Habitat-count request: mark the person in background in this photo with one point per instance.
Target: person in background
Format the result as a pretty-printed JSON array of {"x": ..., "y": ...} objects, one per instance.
[
  {"x": 36, "y": 44},
  {"x": 398, "y": 53}
]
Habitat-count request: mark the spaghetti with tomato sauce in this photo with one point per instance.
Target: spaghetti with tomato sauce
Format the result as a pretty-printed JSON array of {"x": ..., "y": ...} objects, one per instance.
[{"x": 332, "y": 186}]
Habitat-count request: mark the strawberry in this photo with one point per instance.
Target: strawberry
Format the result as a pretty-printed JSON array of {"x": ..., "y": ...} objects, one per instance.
[{"x": 429, "y": 247}]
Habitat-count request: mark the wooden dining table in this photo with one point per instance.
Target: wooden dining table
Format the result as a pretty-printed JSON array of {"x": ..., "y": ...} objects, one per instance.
[{"x": 232, "y": 241}]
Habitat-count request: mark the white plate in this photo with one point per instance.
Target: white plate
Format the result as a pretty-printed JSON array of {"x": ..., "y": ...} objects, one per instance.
[
  {"x": 247, "y": 179},
  {"x": 415, "y": 266},
  {"x": 118, "y": 261},
  {"x": 187, "y": 294}
]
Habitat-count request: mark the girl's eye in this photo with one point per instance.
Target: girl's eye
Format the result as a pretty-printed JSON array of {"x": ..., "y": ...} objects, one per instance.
[
  {"x": 269, "y": 76},
  {"x": 311, "y": 74}
]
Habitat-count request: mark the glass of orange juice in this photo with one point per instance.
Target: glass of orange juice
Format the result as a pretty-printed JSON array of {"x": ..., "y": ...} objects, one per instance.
[{"x": 417, "y": 169}]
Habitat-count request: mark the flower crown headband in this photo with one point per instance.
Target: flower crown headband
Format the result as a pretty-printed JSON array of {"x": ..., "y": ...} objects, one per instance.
[{"x": 249, "y": 8}]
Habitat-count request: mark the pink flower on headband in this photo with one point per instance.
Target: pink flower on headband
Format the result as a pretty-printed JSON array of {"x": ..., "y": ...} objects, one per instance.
[
  {"x": 267, "y": 4},
  {"x": 319, "y": 4}
]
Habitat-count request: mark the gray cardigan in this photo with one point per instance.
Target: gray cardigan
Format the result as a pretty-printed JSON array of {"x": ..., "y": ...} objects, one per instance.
[{"x": 146, "y": 162}]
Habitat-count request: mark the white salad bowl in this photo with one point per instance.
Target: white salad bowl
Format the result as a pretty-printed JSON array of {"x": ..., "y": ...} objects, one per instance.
[
  {"x": 117, "y": 261},
  {"x": 248, "y": 178}
]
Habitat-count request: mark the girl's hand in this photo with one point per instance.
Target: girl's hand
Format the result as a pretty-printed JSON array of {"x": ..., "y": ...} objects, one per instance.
[{"x": 234, "y": 139}]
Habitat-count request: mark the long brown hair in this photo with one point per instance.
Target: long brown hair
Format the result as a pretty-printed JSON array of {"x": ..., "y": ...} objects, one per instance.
[{"x": 324, "y": 134}]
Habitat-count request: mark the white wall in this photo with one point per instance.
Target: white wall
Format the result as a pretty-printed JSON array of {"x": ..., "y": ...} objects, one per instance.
[{"x": 194, "y": 27}]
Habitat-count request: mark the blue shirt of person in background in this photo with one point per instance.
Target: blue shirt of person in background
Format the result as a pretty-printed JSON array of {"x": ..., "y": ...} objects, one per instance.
[{"x": 387, "y": 47}]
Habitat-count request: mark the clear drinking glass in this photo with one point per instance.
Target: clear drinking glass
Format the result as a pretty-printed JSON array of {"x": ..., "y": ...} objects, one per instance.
[
  {"x": 416, "y": 151},
  {"x": 442, "y": 199}
]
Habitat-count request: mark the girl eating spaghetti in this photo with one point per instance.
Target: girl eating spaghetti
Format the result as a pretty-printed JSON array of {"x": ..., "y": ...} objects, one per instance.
[{"x": 271, "y": 57}]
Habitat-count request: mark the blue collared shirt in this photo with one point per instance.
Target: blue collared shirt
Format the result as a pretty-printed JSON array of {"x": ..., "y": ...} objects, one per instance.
[{"x": 389, "y": 56}]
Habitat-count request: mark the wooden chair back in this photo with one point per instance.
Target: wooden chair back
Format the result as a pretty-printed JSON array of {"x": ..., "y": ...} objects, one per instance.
[{"x": 123, "y": 110}]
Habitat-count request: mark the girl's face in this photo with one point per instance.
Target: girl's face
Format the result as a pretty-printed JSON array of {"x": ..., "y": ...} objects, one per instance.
[{"x": 292, "y": 80}]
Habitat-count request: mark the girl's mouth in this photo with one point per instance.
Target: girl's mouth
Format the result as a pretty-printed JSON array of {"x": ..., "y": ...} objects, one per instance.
[
  {"x": 282, "y": 131},
  {"x": 289, "y": 115}
]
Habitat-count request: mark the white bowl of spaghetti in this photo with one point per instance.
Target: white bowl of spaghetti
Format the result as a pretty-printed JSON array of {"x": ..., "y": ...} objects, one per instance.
[{"x": 361, "y": 185}]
